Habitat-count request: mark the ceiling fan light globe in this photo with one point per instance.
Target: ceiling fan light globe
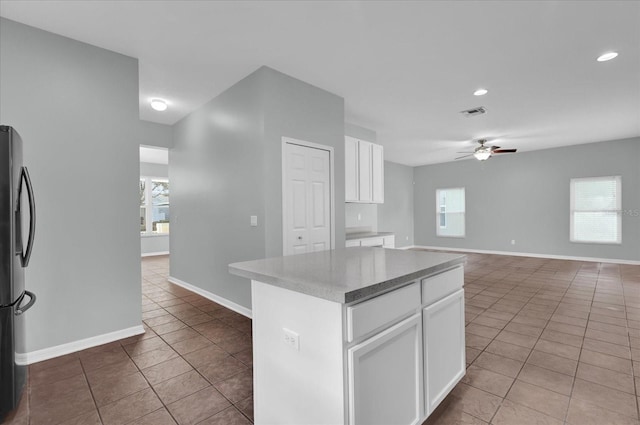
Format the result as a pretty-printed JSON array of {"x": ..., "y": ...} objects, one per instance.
[{"x": 482, "y": 155}]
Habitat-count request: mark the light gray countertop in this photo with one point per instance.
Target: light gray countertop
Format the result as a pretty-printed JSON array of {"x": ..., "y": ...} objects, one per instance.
[
  {"x": 364, "y": 235},
  {"x": 346, "y": 275}
]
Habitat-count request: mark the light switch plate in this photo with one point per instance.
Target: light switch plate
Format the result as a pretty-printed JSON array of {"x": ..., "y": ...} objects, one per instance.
[
  {"x": 291, "y": 338},
  {"x": 254, "y": 221}
]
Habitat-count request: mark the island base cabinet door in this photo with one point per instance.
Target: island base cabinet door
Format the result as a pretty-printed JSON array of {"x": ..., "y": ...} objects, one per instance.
[
  {"x": 385, "y": 376},
  {"x": 444, "y": 348}
]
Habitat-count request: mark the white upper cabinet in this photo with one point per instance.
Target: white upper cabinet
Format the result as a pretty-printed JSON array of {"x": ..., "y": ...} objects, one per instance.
[
  {"x": 377, "y": 174},
  {"x": 364, "y": 171},
  {"x": 352, "y": 194}
]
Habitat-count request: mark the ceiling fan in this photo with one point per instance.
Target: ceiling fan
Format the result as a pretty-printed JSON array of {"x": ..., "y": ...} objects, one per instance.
[{"x": 482, "y": 152}]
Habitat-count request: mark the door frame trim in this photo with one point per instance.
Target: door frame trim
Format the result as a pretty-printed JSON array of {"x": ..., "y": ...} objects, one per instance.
[{"x": 332, "y": 213}]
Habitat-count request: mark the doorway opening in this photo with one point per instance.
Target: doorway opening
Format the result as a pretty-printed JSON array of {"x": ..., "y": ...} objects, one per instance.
[{"x": 154, "y": 201}]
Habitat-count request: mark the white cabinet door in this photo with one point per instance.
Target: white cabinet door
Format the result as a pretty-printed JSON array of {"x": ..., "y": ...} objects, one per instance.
[
  {"x": 444, "y": 348},
  {"x": 364, "y": 171},
  {"x": 377, "y": 174},
  {"x": 351, "y": 169},
  {"x": 385, "y": 376},
  {"x": 389, "y": 242}
]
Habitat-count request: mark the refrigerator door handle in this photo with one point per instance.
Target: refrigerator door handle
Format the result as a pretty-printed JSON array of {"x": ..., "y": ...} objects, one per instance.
[
  {"x": 32, "y": 300},
  {"x": 26, "y": 255}
]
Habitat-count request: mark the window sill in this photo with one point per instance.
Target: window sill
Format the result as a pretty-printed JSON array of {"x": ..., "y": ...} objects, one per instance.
[
  {"x": 596, "y": 242},
  {"x": 153, "y": 235}
]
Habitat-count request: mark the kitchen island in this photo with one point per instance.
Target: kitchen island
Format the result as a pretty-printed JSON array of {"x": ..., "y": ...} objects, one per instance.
[{"x": 355, "y": 335}]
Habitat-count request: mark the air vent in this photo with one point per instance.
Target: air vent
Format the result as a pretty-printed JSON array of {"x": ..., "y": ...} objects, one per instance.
[{"x": 474, "y": 111}]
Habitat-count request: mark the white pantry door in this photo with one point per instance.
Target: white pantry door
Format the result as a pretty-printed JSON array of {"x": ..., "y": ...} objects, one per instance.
[{"x": 307, "y": 199}]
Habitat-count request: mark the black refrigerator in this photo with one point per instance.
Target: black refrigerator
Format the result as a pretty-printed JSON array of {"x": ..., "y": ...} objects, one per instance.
[{"x": 17, "y": 229}]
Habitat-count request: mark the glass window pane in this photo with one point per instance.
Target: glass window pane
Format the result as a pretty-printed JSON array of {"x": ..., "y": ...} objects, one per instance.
[
  {"x": 596, "y": 226},
  {"x": 143, "y": 219},
  {"x": 160, "y": 192},
  {"x": 160, "y": 216},
  {"x": 590, "y": 195},
  {"x": 143, "y": 194},
  {"x": 596, "y": 203}
]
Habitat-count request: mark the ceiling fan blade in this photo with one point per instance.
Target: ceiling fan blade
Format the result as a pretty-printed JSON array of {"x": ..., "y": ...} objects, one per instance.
[
  {"x": 505, "y": 150},
  {"x": 464, "y": 156},
  {"x": 494, "y": 148},
  {"x": 464, "y": 152}
]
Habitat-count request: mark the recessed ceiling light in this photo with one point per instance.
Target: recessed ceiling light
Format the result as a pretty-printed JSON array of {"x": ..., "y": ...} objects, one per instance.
[
  {"x": 480, "y": 92},
  {"x": 607, "y": 56},
  {"x": 159, "y": 104}
]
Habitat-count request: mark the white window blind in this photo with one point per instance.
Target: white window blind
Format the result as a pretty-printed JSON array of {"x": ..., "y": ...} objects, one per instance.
[
  {"x": 596, "y": 210},
  {"x": 450, "y": 210}
]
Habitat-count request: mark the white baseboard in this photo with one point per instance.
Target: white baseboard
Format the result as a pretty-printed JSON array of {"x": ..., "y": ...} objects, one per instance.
[
  {"x": 153, "y": 254},
  {"x": 529, "y": 254},
  {"x": 82, "y": 344},
  {"x": 213, "y": 297}
]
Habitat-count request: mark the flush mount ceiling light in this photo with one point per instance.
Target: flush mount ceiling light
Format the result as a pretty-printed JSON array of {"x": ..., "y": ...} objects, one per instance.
[
  {"x": 607, "y": 56},
  {"x": 159, "y": 105},
  {"x": 480, "y": 92}
]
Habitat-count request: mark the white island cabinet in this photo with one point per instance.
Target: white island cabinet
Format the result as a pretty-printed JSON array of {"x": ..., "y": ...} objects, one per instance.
[
  {"x": 355, "y": 336},
  {"x": 379, "y": 239}
]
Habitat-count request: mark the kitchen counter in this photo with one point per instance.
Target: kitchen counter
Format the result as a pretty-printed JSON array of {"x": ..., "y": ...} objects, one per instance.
[
  {"x": 355, "y": 336},
  {"x": 346, "y": 275}
]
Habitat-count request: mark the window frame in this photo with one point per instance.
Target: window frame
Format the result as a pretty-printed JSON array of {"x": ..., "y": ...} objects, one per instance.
[
  {"x": 148, "y": 206},
  {"x": 446, "y": 211},
  {"x": 617, "y": 210}
]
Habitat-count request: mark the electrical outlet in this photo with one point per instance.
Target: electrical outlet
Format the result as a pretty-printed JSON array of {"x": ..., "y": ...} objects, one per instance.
[
  {"x": 291, "y": 338},
  {"x": 254, "y": 221},
  {"x": 513, "y": 241},
  {"x": 359, "y": 217}
]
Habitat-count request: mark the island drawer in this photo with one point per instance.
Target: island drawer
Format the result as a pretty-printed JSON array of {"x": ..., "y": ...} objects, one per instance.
[
  {"x": 385, "y": 309},
  {"x": 439, "y": 286}
]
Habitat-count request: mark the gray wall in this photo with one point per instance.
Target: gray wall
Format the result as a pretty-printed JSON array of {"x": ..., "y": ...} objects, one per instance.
[
  {"x": 396, "y": 214},
  {"x": 358, "y": 132},
  {"x": 226, "y": 166},
  {"x": 293, "y": 108},
  {"x": 216, "y": 169},
  {"x": 525, "y": 197},
  {"x": 154, "y": 245},
  {"x": 154, "y": 134},
  {"x": 368, "y": 214},
  {"x": 154, "y": 170},
  {"x": 65, "y": 98}
]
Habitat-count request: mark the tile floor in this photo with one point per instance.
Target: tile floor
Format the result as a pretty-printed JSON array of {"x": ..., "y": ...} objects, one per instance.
[
  {"x": 548, "y": 342},
  {"x": 192, "y": 366}
]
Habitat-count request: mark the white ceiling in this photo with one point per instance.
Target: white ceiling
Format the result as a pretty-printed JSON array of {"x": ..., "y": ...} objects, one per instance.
[{"x": 405, "y": 69}]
